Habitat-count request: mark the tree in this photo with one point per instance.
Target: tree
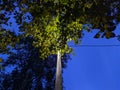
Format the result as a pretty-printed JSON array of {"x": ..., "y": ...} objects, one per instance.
[
  {"x": 55, "y": 22},
  {"x": 7, "y": 37},
  {"x": 31, "y": 72},
  {"x": 65, "y": 18}
]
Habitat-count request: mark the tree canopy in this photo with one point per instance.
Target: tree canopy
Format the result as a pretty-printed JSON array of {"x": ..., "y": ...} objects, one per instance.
[
  {"x": 55, "y": 22},
  {"x": 7, "y": 37},
  {"x": 52, "y": 24}
]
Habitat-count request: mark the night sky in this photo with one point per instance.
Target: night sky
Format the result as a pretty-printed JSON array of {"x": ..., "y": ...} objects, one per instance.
[{"x": 94, "y": 68}]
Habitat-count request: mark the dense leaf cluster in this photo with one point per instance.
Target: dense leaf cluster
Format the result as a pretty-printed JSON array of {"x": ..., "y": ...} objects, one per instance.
[{"x": 55, "y": 22}]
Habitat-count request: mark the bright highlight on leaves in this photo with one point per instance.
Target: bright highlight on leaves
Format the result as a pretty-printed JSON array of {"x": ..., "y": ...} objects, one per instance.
[
  {"x": 56, "y": 22},
  {"x": 51, "y": 31}
]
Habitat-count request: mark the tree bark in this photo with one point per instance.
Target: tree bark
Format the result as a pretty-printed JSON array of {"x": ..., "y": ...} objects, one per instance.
[{"x": 58, "y": 81}]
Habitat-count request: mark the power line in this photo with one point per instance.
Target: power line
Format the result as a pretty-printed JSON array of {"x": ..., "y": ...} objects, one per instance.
[{"x": 91, "y": 45}]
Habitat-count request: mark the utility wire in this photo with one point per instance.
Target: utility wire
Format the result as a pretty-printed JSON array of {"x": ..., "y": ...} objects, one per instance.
[{"x": 88, "y": 45}]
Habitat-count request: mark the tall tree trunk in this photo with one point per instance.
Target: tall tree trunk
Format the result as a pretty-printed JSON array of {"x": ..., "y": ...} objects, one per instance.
[{"x": 58, "y": 81}]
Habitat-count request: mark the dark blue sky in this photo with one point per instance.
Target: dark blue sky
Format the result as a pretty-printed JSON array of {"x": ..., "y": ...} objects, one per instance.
[{"x": 94, "y": 68}]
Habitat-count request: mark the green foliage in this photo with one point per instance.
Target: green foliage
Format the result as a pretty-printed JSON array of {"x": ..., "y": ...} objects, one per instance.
[
  {"x": 56, "y": 22},
  {"x": 51, "y": 29},
  {"x": 7, "y": 37},
  {"x": 1, "y": 60}
]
